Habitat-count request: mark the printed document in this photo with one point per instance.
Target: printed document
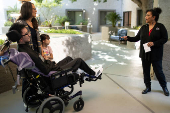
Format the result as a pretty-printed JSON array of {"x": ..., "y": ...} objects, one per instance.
[{"x": 146, "y": 48}]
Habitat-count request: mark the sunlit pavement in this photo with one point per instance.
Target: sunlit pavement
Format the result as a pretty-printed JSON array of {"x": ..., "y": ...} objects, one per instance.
[{"x": 119, "y": 91}]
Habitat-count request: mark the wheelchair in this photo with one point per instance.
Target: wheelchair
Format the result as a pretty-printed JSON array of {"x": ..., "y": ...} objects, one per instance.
[{"x": 49, "y": 93}]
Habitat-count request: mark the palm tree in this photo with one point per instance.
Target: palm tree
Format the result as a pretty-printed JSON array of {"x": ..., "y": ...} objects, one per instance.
[{"x": 113, "y": 17}]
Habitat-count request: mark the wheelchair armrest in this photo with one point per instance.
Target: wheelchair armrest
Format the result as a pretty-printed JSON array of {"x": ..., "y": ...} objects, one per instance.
[{"x": 61, "y": 72}]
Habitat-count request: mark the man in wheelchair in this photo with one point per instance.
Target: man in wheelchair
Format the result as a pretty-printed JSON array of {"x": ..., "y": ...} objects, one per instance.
[
  {"x": 45, "y": 66},
  {"x": 18, "y": 33}
]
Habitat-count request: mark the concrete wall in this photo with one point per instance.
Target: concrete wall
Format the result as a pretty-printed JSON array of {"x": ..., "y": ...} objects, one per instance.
[
  {"x": 75, "y": 46},
  {"x": 165, "y": 15},
  {"x": 128, "y": 5}
]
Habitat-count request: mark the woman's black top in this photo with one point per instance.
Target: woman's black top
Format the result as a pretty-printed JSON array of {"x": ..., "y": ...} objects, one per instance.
[
  {"x": 34, "y": 38},
  {"x": 158, "y": 36}
]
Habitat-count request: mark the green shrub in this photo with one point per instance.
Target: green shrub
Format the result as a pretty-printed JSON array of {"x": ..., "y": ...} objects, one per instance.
[
  {"x": 8, "y": 23},
  {"x": 136, "y": 27},
  {"x": 1, "y": 41},
  {"x": 82, "y": 22},
  {"x": 67, "y": 31},
  {"x": 61, "y": 20}
]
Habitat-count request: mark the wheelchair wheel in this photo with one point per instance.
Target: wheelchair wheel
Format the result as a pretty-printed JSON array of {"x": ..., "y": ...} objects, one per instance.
[
  {"x": 52, "y": 105},
  {"x": 78, "y": 105},
  {"x": 30, "y": 98}
]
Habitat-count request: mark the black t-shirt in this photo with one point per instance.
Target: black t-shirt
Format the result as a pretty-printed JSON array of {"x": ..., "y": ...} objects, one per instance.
[
  {"x": 45, "y": 67},
  {"x": 34, "y": 38}
]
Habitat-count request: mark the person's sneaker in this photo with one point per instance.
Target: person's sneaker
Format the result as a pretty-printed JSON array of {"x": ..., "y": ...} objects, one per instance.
[{"x": 98, "y": 71}]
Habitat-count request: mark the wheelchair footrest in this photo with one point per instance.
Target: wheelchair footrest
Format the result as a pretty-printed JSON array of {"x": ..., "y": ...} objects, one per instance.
[{"x": 94, "y": 79}]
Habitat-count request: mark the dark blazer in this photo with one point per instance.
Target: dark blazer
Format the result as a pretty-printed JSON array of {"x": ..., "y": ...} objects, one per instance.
[{"x": 158, "y": 36}]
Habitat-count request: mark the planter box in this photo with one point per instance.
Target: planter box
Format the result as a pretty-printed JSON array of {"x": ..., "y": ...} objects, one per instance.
[
  {"x": 76, "y": 46},
  {"x": 80, "y": 27},
  {"x": 6, "y": 80},
  {"x": 133, "y": 45},
  {"x": 105, "y": 32}
]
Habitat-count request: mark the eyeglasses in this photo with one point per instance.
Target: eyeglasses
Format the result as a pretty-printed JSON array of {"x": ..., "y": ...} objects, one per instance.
[{"x": 27, "y": 34}]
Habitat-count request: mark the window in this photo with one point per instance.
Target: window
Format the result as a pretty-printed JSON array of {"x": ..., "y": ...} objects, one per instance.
[
  {"x": 127, "y": 19},
  {"x": 75, "y": 16},
  {"x": 139, "y": 17},
  {"x": 103, "y": 20}
]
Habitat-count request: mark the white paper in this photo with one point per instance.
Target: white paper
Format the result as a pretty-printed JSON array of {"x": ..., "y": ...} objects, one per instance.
[{"x": 146, "y": 47}]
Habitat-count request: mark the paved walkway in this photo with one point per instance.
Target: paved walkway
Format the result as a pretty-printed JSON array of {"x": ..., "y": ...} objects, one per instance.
[{"x": 119, "y": 91}]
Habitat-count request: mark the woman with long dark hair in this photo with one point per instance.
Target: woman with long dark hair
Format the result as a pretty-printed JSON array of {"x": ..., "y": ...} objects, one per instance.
[
  {"x": 155, "y": 35},
  {"x": 27, "y": 17}
]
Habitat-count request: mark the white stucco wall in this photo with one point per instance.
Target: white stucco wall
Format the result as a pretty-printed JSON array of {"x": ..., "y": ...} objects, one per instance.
[
  {"x": 3, "y": 7},
  {"x": 128, "y": 5}
]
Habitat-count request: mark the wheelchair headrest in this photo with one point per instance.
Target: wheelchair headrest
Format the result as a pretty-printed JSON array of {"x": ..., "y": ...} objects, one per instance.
[{"x": 13, "y": 35}]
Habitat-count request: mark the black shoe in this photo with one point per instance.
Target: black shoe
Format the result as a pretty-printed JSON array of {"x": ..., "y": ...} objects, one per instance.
[
  {"x": 146, "y": 90},
  {"x": 166, "y": 92}
]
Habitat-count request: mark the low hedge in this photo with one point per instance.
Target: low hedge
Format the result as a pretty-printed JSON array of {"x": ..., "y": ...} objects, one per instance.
[{"x": 67, "y": 31}]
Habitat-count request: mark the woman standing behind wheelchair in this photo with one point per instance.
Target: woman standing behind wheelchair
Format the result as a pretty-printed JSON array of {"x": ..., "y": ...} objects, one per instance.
[
  {"x": 27, "y": 17},
  {"x": 155, "y": 35}
]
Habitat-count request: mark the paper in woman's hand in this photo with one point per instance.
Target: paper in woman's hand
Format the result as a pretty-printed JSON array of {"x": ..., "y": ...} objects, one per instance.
[{"x": 146, "y": 47}]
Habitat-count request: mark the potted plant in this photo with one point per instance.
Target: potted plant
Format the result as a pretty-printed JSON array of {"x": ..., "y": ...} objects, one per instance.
[
  {"x": 62, "y": 19},
  {"x": 113, "y": 17},
  {"x": 82, "y": 22}
]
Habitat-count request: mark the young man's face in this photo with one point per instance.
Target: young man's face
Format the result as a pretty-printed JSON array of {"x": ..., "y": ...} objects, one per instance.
[{"x": 25, "y": 35}]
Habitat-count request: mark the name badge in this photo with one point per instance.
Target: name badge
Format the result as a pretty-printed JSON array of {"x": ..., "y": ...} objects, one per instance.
[{"x": 157, "y": 28}]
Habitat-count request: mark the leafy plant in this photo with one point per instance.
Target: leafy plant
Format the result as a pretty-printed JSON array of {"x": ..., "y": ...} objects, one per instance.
[
  {"x": 93, "y": 1},
  {"x": 8, "y": 23},
  {"x": 12, "y": 9},
  {"x": 38, "y": 1},
  {"x": 47, "y": 4},
  {"x": 46, "y": 7},
  {"x": 48, "y": 23},
  {"x": 61, "y": 20},
  {"x": 136, "y": 27},
  {"x": 1, "y": 41},
  {"x": 67, "y": 31},
  {"x": 55, "y": 1},
  {"x": 113, "y": 17},
  {"x": 82, "y": 22}
]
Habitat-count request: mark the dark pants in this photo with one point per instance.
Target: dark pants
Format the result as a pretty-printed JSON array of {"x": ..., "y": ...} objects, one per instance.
[
  {"x": 74, "y": 64},
  {"x": 157, "y": 67},
  {"x": 66, "y": 63}
]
